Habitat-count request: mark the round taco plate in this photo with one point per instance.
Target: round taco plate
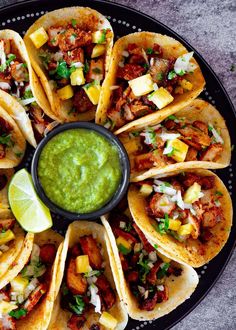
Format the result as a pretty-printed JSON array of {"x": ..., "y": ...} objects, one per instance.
[{"x": 126, "y": 20}]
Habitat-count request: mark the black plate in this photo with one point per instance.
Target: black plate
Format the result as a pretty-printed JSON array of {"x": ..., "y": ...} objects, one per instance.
[{"x": 126, "y": 20}]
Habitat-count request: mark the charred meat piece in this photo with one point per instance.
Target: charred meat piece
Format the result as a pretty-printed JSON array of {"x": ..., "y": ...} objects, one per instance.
[
  {"x": 2, "y": 151},
  {"x": 75, "y": 55},
  {"x": 6, "y": 45},
  {"x": 95, "y": 326},
  {"x": 149, "y": 303},
  {"x": 143, "y": 162},
  {"x": 212, "y": 152},
  {"x": 191, "y": 154},
  {"x": 196, "y": 135},
  {"x": 116, "y": 117},
  {"x": 96, "y": 70},
  {"x": 6, "y": 224},
  {"x": 75, "y": 282},
  {"x": 5, "y": 77},
  {"x": 207, "y": 182},
  {"x": 89, "y": 247},
  {"x": 82, "y": 103},
  {"x": 196, "y": 225},
  {"x": 76, "y": 322},
  {"x": 75, "y": 251},
  {"x": 212, "y": 217},
  {"x": 7, "y": 323},
  {"x": 201, "y": 125},
  {"x": 34, "y": 297},
  {"x": 5, "y": 127},
  {"x": 170, "y": 124},
  {"x": 134, "y": 49},
  {"x": 158, "y": 70},
  {"x": 152, "y": 275},
  {"x": 206, "y": 235},
  {"x": 132, "y": 276},
  {"x": 47, "y": 253},
  {"x": 147, "y": 246},
  {"x": 139, "y": 109},
  {"x": 3, "y": 181},
  {"x": 125, "y": 235},
  {"x": 161, "y": 205},
  {"x": 74, "y": 38},
  {"x": 124, "y": 262},
  {"x": 19, "y": 72},
  {"x": 137, "y": 59},
  {"x": 130, "y": 71},
  {"x": 106, "y": 291},
  {"x": 53, "y": 34}
]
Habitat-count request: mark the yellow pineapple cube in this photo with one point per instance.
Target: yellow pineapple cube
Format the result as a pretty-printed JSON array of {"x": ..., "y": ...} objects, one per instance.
[
  {"x": 99, "y": 37},
  {"x": 39, "y": 37},
  {"x": 82, "y": 264},
  {"x": 19, "y": 284},
  {"x": 192, "y": 193},
  {"x": 6, "y": 307},
  {"x": 65, "y": 93},
  {"x": 6, "y": 236},
  {"x": 93, "y": 92},
  {"x": 145, "y": 190},
  {"x": 185, "y": 229},
  {"x": 161, "y": 97},
  {"x": 179, "y": 151},
  {"x": 141, "y": 85},
  {"x": 187, "y": 85},
  {"x": 174, "y": 224},
  {"x": 98, "y": 50},
  {"x": 77, "y": 77},
  {"x": 108, "y": 321},
  {"x": 122, "y": 241},
  {"x": 131, "y": 146}
]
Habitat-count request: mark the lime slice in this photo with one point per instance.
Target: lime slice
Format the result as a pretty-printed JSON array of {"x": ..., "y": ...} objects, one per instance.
[{"x": 26, "y": 206}]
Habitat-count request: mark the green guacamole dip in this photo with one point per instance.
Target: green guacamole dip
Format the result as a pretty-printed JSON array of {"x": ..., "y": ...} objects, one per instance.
[{"x": 79, "y": 170}]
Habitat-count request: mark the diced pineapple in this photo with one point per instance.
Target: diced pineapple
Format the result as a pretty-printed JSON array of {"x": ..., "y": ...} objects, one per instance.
[
  {"x": 122, "y": 241},
  {"x": 163, "y": 258},
  {"x": 6, "y": 307},
  {"x": 39, "y": 37},
  {"x": 98, "y": 50},
  {"x": 174, "y": 224},
  {"x": 19, "y": 284},
  {"x": 179, "y": 150},
  {"x": 99, "y": 37},
  {"x": 187, "y": 85},
  {"x": 6, "y": 236},
  {"x": 93, "y": 92},
  {"x": 108, "y": 321},
  {"x": 131, "y": 146},
  {"x": 82, "y": 264},
  {"x": 65, "y": 93},
  {"x": 185, "y": 229},
  {"x": 192, "y": 194},
  {"x": 161, "y": 97},
  {"x": 141, "y": 85},
  {"x": 145, "y": 190},
  {"x": 77, "y": 77}
]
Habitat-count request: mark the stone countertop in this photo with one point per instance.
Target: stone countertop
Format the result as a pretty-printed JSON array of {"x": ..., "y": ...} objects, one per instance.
[{"x": 210, "y": 27}]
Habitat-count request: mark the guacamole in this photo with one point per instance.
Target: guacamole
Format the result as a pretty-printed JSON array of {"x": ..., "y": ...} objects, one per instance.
[{"x": 79, "y": 170}]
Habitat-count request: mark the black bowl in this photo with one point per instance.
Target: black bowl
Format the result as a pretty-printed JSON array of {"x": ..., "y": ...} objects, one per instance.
[{"x": 121, "y": 190}]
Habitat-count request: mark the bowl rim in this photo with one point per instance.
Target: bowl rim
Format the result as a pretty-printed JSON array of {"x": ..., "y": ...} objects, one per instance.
[{"x": 125, "y": 171}]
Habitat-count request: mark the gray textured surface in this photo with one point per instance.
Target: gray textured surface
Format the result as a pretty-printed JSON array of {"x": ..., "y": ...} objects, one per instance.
[{"x": 210, "y": 27}]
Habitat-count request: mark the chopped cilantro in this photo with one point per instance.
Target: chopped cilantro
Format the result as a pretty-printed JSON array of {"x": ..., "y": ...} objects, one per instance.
[
  {"x": 86, "y": 67},
  {"x": 28, "y": 94},
  {"x": 73, "y": 22},
  {"x": 62, "y": 70},
  {"x": 181, "y": 73},
  {"x": 218, "y": 193},
  {"x": 77, "y": 305},
  {"x": 18, "y": 313},
  {"x": 171, "y": 75},
  {"x": 11, "y": 57},
  {"x": 64, "y": 289},
  {"x": 24, "y": 65},
  {"x": 92, "y": 273},
  {"x": 123, "y": 249},
  {"x": 163, "y": 224},
  {"x": 18, "y": 154},
  {"x": 72, "y": 110},
  {"x": 128, "y": 227},
  {"x": 155, "y": 246},
  {"x": 149, "y": 51},
  {"x": 160, "y": 76},
  {"x": 6, "y": 140},
  {"x": 172, "y": 117},
  {"x": 96, "y": 70},
  {"x": 146, "y": 66},
  {"x": 135, "y": 133},
  {"x": 163, "y": 270},
  {"x": 3, "y": 67},
  {"x": 210, "y": 128},
  {"x": 144, "y": 268},
  {"x": 53, "y": 40},
  {"x": 103, "y": 37}
]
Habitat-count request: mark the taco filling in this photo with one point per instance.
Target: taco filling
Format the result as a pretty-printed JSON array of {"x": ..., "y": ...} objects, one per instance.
[
  {"x": 74, "y": 60},
  {"x": 145, "y": 269},
  {"x": 6, "y": 233},
  {"x": 183, "y": 206},
  {"x": 147, "y": 82},
  {"x": 85, "y": 288},
  {"x": 6, "y": 140},
  {"x": 28, "y": 288},
  {"x": 173, "y": 141},
  {"x": 14, "y": 80}
]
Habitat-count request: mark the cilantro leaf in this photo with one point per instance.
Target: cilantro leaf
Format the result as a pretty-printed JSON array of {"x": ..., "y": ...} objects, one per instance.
[
  {"x": 73, "y": 22},
  {"x": 18, "y": 313},
  {"x": 149, "y": 51},
  {"x": 77, "y": 305},
  {"x": 171, "y": 75},
  {"x": 11, "y": 57},
  {"x": 86, "y": 67},
  {"x": 162, "y": 272},
  {"x": 123, "y": 249},
  {"x": 6, "y": 140}
]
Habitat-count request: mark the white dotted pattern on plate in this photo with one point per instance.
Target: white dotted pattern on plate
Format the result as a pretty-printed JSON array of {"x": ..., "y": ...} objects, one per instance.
[{"x": 209, "y": 97}]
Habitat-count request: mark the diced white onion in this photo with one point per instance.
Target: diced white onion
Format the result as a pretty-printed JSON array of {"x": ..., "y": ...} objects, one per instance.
[
  {"x": 183, "y": 65},
  {"x": 150, "y": 264},
  {"x": 168, "y": 136},
  {"x": 146, "y": 294},
  {"x": 156, "y": 127},
  {"x": 155, "y": 87},
  {"x": 4, "y": 85},
  {"x": 121, "y": 64},
  {"x": 152, "y": 256},
  {"x": 95, "y": 299},
  {"x": 91, "y": 280},
  {"x": 167, "y": 150},
  {"x": 122, "y": 224},
  {"x": 164, "y": 190},
  {"x": 160, "y": 287},
  {"x": 125, "y": 53},
  {"x": 77, "y": 64},
  {"x": 216, "y": 135},
  {"x": 137, "y": 247},
  {"x": 58, "y": 56},
  {"x": 21, "y": 83},
  {"x": 141, "y": 289},
  {"x": 107, "y": 125},
  {"x": 28, "y": 101},
  {"x": 217, "y": 203}
]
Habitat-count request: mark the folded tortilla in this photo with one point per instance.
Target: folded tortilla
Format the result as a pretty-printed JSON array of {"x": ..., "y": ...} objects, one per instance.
[
  {"x": 193, "y": 252},
  {"x": 197, "y": 110},
  {"x": 86, "y": 18},
  {"x": 15, "y": 147},
  {"x": 60, "y": 316},
  {"x": 171, "y": 48},
  {"x": 180, "y": 288}
]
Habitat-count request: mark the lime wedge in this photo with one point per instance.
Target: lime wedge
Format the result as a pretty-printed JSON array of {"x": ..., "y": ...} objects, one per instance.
[{"x": 26, "y": 206}]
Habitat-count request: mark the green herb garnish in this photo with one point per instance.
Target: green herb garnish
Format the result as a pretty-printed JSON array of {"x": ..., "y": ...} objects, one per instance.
[
  {"x": 11, "y": 57},
  {"x": 123, "y": 249},
  {"x": 149, "y": 51},
  {"x": 171, "y": 75},
  {"x": 73, "y": 22},
  {"x": 18, "y": 313},
  {"x": 78, "y": 305},
  {"x": 162, "y": 272}
]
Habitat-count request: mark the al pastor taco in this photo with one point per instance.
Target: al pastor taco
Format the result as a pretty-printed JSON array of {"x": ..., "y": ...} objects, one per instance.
[
  {"x": 150, "y": 284},
  {"x": 26, "y": 299},
  {"x": 20, "y": 89},
  {"x": 150, "y": 77},
  {"x": 195, "y": 137},
  {"x": 87, "y": 296},
  {"x": 187, "y": 213},
  {"x": 12, "y": 142},
  {"x": 5, "y": 177},
  {"x": 70, "y": 52}
]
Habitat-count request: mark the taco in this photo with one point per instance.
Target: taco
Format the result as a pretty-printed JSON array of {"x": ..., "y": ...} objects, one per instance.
[
  {"x": 20, "y": 89},
  {"x": 187, "y": 213},
  {"x": 150, "y": 77},
  {"x": 87, "y": 297},
  {"x": 12, "y": 142},
  {"x": 70, "y": 52},
  {"x": 5, "y": 177},
  {"x": 150, "y": 284},
  {"x": 27, "y": 299},
  {"x": 195, "y": 137}
]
